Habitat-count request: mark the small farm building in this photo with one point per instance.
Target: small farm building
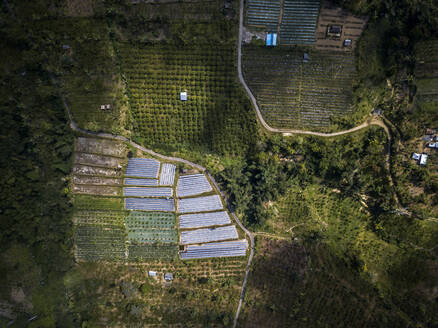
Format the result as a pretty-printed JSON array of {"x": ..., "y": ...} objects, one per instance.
[
  {"x": 347, "y": 43},
  {"x": 423, "y": 159},
  {"x": 152, "y": 274},
  {"x": 271, "y": 39},
  {"x": 305, "y": 57},
  {"x": 416, "y": 156},
  {"x": 183, "y": 96},
  {"x": 433, "y": 145},
  {"x": 334, "y": 30},
  {"x": 168, "y": 276}
]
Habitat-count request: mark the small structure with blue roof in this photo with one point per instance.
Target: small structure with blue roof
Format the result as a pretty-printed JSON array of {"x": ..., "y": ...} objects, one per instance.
[{"x": 271, "y": 39}]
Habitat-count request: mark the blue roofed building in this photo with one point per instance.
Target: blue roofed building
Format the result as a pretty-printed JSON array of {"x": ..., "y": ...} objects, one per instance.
[{"x": 271, "y": 39}]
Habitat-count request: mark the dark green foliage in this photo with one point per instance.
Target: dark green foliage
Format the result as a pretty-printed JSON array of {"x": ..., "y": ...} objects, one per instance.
[
  {"x": 308, "y": 286},
  {"x": 353, "y": 163},
  {"x": 36, "y": 151},
  {"x": 216, "y": 115}
]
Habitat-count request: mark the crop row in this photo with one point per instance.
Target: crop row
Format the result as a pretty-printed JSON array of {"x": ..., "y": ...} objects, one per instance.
[
  {"x": 115, "y": 218},
  {"x": 292, "y": 93},
  {"x": 86, "y": 202},
  {"x": 95, "y": 242}
]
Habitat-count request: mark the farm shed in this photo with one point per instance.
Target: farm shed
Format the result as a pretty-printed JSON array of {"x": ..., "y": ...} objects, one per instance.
[
  {"x": 334, "y": 31},
  {"x": 306, "y": 57},
  {"x": 168, "y": 276},
  {"x": 183, "y": 96},
  {"x": 152, "y": 273},
  {"x": 433, "y": 145},
  {"x": 416, "y": 156},
  {"x": 423, "y": 159},
  {"x": 271, "y": 39}
]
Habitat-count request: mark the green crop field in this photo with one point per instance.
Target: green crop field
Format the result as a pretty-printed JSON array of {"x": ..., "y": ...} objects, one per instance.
[
  {"x": 115, "y": 218},
  {"x": 95, "y": 242},
  {"x": 152, "y": 227},
  {"x": 152, "y": 252},
  {"x": 86, "y": 202},
  {"x": 216, "y": 114},
  {"x": 294, "y": 94},
  {"x": 151, "y": 220}
]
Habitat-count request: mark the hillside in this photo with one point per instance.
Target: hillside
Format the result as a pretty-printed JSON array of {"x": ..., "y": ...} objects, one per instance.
[{"x": 140, "y": 190}]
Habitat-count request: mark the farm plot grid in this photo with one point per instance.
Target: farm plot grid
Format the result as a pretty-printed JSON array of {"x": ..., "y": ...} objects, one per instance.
[
  {"x": 214, "y": 110},
  {"x": 190, "y": 221},
  {"x": 223, "y": 249},
  {"x": 295, "y": 20},
  {"x": 194, "y": 184},
  {"x": 141, "y": 225},
  {"x": 294, "y": 94}
]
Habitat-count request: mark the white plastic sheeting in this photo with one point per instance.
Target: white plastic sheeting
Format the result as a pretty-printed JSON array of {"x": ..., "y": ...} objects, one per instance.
[
  {"x": 223, "y": 249},
  {"x": 167, "y": 176},
  {"x": 194, "y": 184},
  {"x": 200, "y": 204},
  {"x": 188, "y": 221},
  {"x": 207, "y": 235}
]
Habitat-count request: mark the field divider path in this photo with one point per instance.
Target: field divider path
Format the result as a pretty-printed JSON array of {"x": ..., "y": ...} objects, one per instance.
[{"x": 76, "y": 128}]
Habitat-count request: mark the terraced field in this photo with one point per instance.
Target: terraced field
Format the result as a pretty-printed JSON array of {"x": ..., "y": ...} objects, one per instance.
[
  {"x": 215, "y": 114},
  {"x": 295, "y": 94},
  {"x": 138, "y": 222}
]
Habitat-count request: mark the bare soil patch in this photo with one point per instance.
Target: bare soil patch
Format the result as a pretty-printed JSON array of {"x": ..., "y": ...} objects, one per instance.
[
  {"x": 93, "y": 180},
  {"x": 97, "y": 190},
  {"x": 352, "y": 27},
  {"x": 100, "y": 146},
  {"x": 92, "y": 170},
  {"x": 97, "y": 160}
]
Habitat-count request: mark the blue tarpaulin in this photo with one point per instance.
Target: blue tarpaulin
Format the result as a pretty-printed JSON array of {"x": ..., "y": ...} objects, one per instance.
[{"x": 269, "y": 39}]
